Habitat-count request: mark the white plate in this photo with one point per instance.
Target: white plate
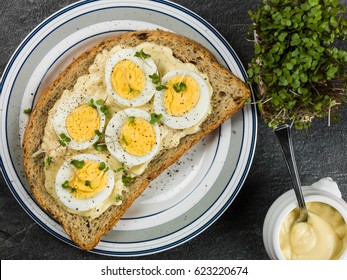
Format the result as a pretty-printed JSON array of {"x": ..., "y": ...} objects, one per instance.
[{"x": 190, "y": 195}]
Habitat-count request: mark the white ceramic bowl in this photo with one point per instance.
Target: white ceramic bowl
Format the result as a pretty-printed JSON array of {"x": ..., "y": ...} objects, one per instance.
[{"x": 325, "y": 190}]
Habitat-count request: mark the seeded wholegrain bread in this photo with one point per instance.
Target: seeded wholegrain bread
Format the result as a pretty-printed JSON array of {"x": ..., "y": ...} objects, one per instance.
[{"x": 229, "y": 95}]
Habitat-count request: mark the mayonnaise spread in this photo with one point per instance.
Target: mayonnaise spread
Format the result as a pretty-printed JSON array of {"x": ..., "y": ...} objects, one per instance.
[{"x": 323, "y": 236}]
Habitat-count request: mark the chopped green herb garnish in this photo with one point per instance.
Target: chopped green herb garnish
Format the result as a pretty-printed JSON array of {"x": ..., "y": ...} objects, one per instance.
[
  {"x": 27, "y": 111},
  {"x": 131, "y": 119},
  {"x": 65, "y": 185},
  {"x": 141, "y": 54},
  {"x": 102, "y": 166},
  {"x": 73, "y": 190},
  {"x": 88, "y": 183},
  {"x": 179, "y": 87},
  {"x": 127, "y": 180},
  {"x": 77, "y": 163},
  {"x": 155, "y": 118}
]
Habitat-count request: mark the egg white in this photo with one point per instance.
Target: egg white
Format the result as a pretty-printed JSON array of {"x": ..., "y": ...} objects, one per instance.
[
  {"x": 112, "y": 136},
  {"x": 65, "y": 107},
  {"x": 147, "y": 65},
  {"x": 192, "y": 117},
  {"x": 65, "y": 196}
]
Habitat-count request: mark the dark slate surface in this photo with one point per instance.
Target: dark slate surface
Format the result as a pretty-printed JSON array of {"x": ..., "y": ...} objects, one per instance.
[{"x": 237, "y": 234}]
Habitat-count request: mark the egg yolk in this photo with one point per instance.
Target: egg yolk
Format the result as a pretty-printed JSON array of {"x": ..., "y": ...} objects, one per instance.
[
  {"x": 127, "y": 79},
  {"x": 89, "y": 180},
  {"x": 137, "y": 136},
  {"x": 82, "y": 122},
  {"x": 181, "y": 96}
]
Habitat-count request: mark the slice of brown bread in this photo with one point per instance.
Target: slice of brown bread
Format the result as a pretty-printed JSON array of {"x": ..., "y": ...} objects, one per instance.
[{"x": 229, "y": 95}]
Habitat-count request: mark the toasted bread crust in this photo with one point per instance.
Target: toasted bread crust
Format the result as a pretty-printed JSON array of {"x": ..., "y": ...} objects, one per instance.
[{"x": 229, "y": 95}]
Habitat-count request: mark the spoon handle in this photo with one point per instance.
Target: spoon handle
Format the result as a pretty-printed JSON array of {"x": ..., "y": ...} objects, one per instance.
[{"x": 283, "y": 135}]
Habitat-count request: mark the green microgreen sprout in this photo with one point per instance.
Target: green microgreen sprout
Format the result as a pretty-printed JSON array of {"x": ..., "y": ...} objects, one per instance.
[
  {"x": 180, "y": 87},
  {"x": 119, "y": 198},
  {"x": 65, "y": 185},
  {"x": 99, "y": 134},
  {"x": 102, "y": 165},
  {"x": 127, "y": 179},
  {"x": 121, "y": 168},
  {"x": 27, "y": 111},
  {"x": 103, "y": 107},
  {"x": 160, "y": 87},
  {"x": 91, "y": 103},
  {"x": 99, "y": 145},
  {"x": 157, "y": 81},
  {"x": 299, "y": 74},
  {"x": 78, "y": 163},
  {"x": 155, "y": 78},
  {"x": 64, "y": 139},
  {"x": 87, "y": 183},
  {"x": 132, "y": 119},
  {"x": 155, "y": 118},
  {"x": 124, "y": 140},
  {"x": 48, "y": 161},
  {"x": 141, "y": 54}
]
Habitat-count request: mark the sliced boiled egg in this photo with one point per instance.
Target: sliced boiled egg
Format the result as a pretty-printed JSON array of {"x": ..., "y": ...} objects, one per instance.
[
  {"x": 184, "y": 101},
  {"x": 127, "y": 77},
  {"x": 131, "y": 137},
  {"x": 76, "y": 121},
  {"x": 83, "y": 182}
]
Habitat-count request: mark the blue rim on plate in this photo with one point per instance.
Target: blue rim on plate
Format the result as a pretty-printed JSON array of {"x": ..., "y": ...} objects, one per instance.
[{"x": 193, "y": 25}]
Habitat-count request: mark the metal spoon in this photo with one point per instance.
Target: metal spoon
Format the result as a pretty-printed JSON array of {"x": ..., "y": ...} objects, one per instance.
[{"x": 283, "y": 134}]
